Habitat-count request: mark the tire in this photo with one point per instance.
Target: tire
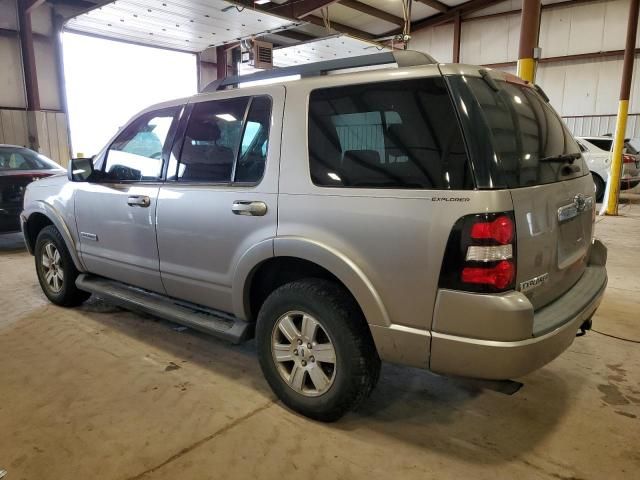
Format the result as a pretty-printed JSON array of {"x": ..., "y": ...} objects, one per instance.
[
  {"x": 58, "y": 281},
  {"x": 339, "y": 325},
  {"x": 600, "y": 186}
]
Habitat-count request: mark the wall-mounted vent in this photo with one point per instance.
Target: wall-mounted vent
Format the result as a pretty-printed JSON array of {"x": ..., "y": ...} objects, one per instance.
[{"x": 262, "y": 55}]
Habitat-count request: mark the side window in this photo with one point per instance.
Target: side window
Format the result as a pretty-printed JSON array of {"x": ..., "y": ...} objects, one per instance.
[
  {"x": 212, "y": 140},
  {"x": 401, "y": 134},
  {"x": 255, "y": 142},
  {"x": 136, "y": 154}
]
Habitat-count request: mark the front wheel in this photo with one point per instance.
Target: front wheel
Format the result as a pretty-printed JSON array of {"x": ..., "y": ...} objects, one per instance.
[
  {"x": 315, "y": 349},
  {"x": 56, "y": 271}
]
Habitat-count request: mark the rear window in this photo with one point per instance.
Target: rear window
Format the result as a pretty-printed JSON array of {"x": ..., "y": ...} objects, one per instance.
[
  {"x": 15, "y": 158},
  {"x": 528, "y": 137},
  {"x": 400, "y": 134}
]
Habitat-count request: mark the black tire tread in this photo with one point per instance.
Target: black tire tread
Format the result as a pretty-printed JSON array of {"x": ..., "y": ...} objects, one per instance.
[
  {"x": 71, "y": 296},
  {"x": 364, "y": 356}
]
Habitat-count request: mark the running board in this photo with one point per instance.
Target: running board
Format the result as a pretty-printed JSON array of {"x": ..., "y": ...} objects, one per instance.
[{"x": 206, "y": 320}]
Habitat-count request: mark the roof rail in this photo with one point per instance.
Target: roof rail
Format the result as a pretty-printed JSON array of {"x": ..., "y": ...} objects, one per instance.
[{"x": 403, "y": 58}]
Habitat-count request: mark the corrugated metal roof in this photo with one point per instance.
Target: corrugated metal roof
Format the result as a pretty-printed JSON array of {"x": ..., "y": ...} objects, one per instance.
[{"x": 180, "y": 24}]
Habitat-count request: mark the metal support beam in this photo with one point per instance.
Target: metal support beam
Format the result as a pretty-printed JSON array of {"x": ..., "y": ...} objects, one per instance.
[
  {"x": 441, "y": 7},
  {"x": 28, "y": 57},
  {"x": 623, "y": 110},
  {"x": 299, "y": 8},
  {"x": 529, "y": 33},
  {"x": 340, "y": 28},
  {"x": 221, "y": 62},
  {"x": 291, "y": 35},
  {"x": 374, "y": 12},
  {"x": 457, "y": 26},
  {"x": 31, "y": 5},
  {"x": 448, "y": 16}
]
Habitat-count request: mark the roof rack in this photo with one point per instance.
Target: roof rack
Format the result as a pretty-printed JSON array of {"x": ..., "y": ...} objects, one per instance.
[{"x": 403, "y": 58}]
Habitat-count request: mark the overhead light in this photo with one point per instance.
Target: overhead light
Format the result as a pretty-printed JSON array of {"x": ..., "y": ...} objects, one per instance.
[
  {"x": 334, "y": 176},
  {"x": 261, "y": 2},
  {"x": 227, "y": 117}
]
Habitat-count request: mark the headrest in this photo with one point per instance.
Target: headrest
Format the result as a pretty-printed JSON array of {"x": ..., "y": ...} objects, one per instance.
[{"x": 203, "y": 131}]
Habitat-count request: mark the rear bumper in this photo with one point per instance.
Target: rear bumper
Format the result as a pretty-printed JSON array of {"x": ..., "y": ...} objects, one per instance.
[{"x": 555, "y": 327}]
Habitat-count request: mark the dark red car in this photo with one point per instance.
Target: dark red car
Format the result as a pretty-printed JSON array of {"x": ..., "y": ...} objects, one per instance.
[{"x": 19, "y": 167}]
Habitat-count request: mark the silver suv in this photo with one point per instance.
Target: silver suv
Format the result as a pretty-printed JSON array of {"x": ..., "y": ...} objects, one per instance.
[{"x": 437, "y": 216}]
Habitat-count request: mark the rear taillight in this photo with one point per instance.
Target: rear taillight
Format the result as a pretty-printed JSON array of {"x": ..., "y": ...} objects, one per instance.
[
  {"x": 626, "y": 158},
  {"x": 481, "y": 254}
]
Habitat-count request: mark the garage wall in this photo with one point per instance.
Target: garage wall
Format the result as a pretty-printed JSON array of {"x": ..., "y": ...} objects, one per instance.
[
  {"x": 587, "y": 88},
  {"x": 49, "y": 131}
]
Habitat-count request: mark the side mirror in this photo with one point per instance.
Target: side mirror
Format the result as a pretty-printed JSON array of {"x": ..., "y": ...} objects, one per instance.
[{"x": 80, "y": 169}]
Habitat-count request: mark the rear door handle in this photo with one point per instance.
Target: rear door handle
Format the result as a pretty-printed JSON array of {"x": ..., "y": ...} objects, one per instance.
[
  {"x": 139, "y": 201},
  {"x": 244, "y": 207}
]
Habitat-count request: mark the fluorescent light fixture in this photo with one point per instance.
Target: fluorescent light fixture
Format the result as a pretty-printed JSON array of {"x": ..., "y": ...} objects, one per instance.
[
  {"x": 261, "y": 2},
  {"x": 334, "y": 176},
  {"x": 227, "y": 117}
]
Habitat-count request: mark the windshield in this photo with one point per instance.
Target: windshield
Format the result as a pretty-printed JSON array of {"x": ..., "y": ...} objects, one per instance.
[
  {"x": 17, "y": 158},
  {"x": 528, "y": 141}
]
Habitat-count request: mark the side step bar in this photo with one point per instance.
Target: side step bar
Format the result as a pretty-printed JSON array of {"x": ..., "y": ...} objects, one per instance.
[{"x": 206, "y": 320}]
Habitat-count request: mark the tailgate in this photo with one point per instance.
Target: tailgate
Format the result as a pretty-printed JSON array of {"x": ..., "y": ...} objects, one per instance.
[{"x": 554, "y": 225}]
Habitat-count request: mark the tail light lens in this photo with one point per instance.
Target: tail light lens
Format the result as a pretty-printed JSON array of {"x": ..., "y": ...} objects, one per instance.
[
  {"x": 626, "y": 158},
  {"x": 501, "y": 230},
  {"x": 481, "y": 254}
]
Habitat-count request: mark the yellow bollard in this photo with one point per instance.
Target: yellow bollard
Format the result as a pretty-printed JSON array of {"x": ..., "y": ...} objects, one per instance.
[
  {"x": 527, "y": 69},
  {"x": 616, "y": 158}
]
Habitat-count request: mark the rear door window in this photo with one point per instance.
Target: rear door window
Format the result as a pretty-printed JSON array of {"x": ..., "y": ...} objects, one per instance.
[
  {"x": 400, "y": 134},
  {"x": 211, "y": 141},
  {"x": 531, "y": 144},
  {"x": 225, "y": 141}
]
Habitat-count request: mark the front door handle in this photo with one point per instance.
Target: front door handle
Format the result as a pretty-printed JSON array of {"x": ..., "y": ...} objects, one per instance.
[
  {"x": 244, "y": 207},
  {"x": 139, "y": 201}
]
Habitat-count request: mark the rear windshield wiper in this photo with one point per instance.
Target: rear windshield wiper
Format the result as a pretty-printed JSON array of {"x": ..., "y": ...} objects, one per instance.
[{"x": 566, "y": 157}]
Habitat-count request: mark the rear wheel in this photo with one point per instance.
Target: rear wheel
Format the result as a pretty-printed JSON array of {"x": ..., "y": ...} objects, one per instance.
[
  {"x": 315, "y": 349},
  {"x": 600, "y": 186},
  {"x": 56, "y": 271}
]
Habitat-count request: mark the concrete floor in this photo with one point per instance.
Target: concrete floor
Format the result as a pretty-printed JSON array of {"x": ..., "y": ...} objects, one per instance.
[{"x": 97, "y": 392}]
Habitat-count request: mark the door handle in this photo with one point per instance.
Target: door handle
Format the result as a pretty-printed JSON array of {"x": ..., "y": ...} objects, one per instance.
[
  {"x": 139, "y": 201},
  {"x": 243, "y": 207}
]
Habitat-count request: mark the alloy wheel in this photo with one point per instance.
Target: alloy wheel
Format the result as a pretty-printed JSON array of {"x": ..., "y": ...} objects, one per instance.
[
  {"x": 303, "y": 353},
  {"x": 52, "y": 267}
]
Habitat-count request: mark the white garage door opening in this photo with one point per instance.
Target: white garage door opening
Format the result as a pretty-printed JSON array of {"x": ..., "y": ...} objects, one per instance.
[{"x": 107, "y": 82}]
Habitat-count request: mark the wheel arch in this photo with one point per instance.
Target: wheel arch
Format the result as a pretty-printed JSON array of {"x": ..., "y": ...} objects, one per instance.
[
  {"x": 293, "y": 258},
  {"x": 41, "y": 215}
]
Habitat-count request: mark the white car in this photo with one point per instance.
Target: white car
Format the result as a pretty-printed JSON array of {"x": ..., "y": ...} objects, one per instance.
[{"x": 597, "y": 154}]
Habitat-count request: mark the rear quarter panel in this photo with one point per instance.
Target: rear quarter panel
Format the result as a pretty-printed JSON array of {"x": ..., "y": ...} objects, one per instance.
[{"x": 394, "y": 238}]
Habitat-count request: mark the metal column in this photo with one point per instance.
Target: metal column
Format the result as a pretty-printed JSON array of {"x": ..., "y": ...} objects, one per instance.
[
  {"x": 221, "y": 62},
  {"x": 457, "y": 27},
  {"x": 623, "y": 110},
  {"x": 28, "y": 56},
  {"x": 529, "y": 32}
]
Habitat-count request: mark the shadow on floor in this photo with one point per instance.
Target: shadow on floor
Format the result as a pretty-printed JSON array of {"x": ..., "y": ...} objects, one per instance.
[
  {"x": 446, "y": 415},
  {"x": 11, "y": 242}
]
